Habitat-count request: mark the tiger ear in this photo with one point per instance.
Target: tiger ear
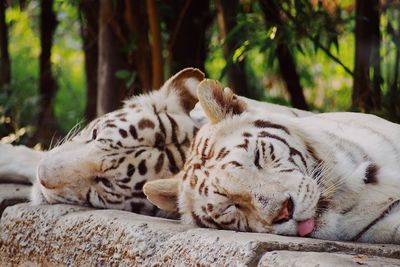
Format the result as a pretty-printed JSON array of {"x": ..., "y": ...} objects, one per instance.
[
  {"x": 185, "y": 83},
  {"x": 218, "y": 102},
  {"x": 163, "y": 193}
]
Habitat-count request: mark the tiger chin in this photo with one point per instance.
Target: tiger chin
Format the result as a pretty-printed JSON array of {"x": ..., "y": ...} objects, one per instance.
[{"x": 332, "y": 176}]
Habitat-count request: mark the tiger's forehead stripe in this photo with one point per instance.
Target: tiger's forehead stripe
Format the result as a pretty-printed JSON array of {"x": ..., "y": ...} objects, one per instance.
[
  {"x": 293, "y": 151},
  {"x": 268, "y": 124}
]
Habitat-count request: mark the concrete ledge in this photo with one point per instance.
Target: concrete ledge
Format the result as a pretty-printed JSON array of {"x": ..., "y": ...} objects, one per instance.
[
  {"x": 290, "y": 258},
  {"x": 64, "y": 235}
]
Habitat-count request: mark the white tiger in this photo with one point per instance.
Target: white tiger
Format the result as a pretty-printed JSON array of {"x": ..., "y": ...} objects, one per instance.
[
  {"x": 107, "y": 163},
  {"x": 332, "y": 176}
]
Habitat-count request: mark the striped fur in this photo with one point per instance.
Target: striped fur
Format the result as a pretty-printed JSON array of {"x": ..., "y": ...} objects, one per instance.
[
  {"x": 333, "y": 176},
  {"x": 107, "y": 163}
]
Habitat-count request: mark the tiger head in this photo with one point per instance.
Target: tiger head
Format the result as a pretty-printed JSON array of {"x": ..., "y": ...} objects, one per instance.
[
  {"x": 108, "y": 162},
  {"x": 245, "y": 171}
]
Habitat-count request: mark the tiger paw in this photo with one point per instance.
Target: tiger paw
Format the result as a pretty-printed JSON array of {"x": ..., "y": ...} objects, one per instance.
[{"x": 18, "y": 163}]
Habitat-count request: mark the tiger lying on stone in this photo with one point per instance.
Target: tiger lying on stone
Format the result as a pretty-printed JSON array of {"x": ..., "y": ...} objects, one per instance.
[
  {"x": 107, "y": 163},
  {"x": 331, "y": 176}
]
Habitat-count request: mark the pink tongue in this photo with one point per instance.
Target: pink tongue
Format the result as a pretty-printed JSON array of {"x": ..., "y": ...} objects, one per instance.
[{"x": 305, "y": 227}]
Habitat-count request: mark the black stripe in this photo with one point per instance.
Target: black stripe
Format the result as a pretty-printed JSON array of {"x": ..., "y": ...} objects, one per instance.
[
  {"x": 181, "y": 152},
  {"x": 172, "y": 163},
  {"x": 137, "y": 154},
  {"x": 162, "y": 127},
  {"x": 383, "y": 215},
  {"x": 209, "y": 220},
  {"x": 138, "y": 195},
  {"x": 160, "y": 163},
  {"x": 88, "y": 199},
  {"x": 124, "y": 186},
  {"x": 139, "y": 185},
  {"x": 133, "y": 132},
  {"x": 221, "y": 194},
  {"x": 268, "y": 124},
  {"x": 371, "y": 174},
  {"x": 292, "y": 150},
  {"x": 114, "y": 202},
  {"x": 197, "y": 220},
  {"x": 257, "y": 158},
  {"x": 130, "y": 171},
  {"x": 174, "y": 128},
  {"x": 104, "y": 181},
  {"x": 136, "y": 207},
  {"x": 205, "y": 145},
  {"x": 287, "y": 170},
  {"x": 271, "y": 151},
  {"x": 226, "y": 223}
]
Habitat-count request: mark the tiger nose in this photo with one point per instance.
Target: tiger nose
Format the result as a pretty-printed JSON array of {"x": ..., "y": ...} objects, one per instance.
[
  {"x": 42, "y": 177},
  {"x": 286, "y": 212}
]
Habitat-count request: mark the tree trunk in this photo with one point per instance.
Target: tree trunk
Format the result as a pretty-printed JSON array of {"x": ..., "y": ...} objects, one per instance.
[
  {"x": 140, "y": 57},
  {"x": 375, "y": 57},
  {"x": 227, "y": 10},
  {"x": 366, "y": 93},
  {"x": 5, "y": 62},
  {"x": 286, "y": 61},
  {"x": 47, "y": 125},
  {"x": 156, "y": 45},
  {"x": 90, "y": 32},
  {"x": 393, "y": 94},
  {"x": 111, "y": 90},
  {"x": 289, "y": 73},
  {"x": 188, "y": 40}
]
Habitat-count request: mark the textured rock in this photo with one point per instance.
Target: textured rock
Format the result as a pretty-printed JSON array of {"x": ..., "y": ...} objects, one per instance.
[
  {"x": 63, "y": 235},
  {"x": 11, "y": 194},
  {"x": 311, "y": 259}
]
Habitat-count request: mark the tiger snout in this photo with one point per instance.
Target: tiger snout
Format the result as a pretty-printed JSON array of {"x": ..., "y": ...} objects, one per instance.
[{"x": 43, "y": 177}]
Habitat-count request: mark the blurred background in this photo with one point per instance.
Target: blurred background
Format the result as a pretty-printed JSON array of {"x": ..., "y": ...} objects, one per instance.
[{"x": 63, "y": 63}]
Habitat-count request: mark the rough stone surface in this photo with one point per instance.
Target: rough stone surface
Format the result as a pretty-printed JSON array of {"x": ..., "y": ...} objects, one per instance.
[
  {"x": 11, "y": 194},
  {"x": 311, "y": 259},
  {"x": 63, "y": 235}
]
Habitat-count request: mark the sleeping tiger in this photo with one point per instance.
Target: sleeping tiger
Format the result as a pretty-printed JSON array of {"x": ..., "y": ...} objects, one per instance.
[
  {"x": 107, "y": 163},
  {"x": 332, "y": 176}
]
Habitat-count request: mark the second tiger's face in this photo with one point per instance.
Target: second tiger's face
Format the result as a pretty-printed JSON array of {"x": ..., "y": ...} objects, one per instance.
[{"x": 249, "y": 174}]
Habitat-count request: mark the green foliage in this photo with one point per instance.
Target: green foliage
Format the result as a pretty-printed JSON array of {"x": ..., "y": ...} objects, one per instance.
[
  {"x": 319, "y": 34},
  {"x": 327, "y": 84},
  {"x": 68, "y": 66},
  {"x": 20, "y": 100},
  {"x": 128, "y": 76}
]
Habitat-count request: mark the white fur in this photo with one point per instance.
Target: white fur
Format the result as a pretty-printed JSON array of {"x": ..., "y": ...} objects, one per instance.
[
  {"x": 347, "y": 143},
  {"x": 18, "y": 163}
]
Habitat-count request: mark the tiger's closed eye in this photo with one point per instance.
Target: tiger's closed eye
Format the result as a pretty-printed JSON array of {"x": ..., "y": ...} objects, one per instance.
[
  {"x": 230, "y": 208},
  {"x": 104, "y": 181}
]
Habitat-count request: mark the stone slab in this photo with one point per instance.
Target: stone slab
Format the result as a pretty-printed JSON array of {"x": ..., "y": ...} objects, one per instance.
[
  {"x": 312, "y": 259},
  {"x": 64, "y": 235}
]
